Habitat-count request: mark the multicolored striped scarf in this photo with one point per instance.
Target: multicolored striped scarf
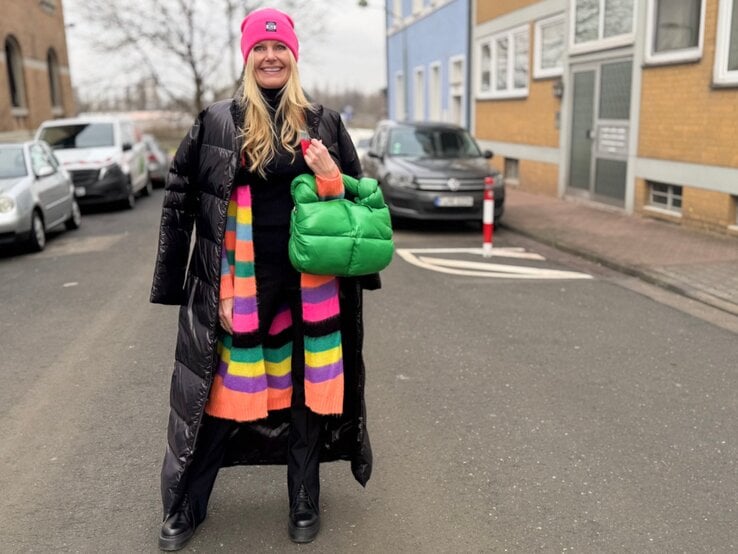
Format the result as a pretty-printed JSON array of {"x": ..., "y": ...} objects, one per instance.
[{"x": 253, "y": 378}]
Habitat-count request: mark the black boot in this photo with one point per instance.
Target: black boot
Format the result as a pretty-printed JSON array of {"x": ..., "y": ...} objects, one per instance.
[
  {"x": 304, "y": 521},
  {"x": 177, "y": 530}
]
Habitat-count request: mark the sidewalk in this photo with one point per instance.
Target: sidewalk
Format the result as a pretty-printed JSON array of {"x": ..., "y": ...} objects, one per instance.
[{"x": 698, "y": 265}]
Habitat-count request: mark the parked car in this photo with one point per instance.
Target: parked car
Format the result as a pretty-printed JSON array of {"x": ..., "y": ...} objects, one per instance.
[
  {"x": 36, "y": 194},
  {"x": 431, "y": 171},
  {"x": 104, "y": 155},
  {"x": 157, "y": 159},
  {"x": 362, "y": 139}
]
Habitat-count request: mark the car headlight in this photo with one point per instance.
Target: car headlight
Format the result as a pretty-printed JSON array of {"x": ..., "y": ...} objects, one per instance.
[
  {"x": 7, "y": 204},
  {"x": 401, "y": 180},
  {"x": 107, "y": 169}
]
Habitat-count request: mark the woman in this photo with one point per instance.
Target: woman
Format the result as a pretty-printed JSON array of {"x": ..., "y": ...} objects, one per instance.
[{"x": 268, "y": 365}]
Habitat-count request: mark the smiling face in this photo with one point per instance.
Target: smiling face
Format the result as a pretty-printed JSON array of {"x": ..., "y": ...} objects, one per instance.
[{"x": 271, "y": 63}]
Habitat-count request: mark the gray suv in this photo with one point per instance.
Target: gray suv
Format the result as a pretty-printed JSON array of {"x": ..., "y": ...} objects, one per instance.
[{"x": 431, "y": 171}]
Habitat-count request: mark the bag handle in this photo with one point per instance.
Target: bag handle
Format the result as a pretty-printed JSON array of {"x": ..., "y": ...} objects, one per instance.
[{"x": 366, "y": 191}]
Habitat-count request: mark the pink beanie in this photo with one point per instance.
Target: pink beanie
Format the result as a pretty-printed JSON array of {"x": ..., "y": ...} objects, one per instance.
[{"x": 268, "y": 24}]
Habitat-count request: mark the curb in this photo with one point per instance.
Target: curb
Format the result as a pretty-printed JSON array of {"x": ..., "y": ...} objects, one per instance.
[{"x": 632, "y": 271}]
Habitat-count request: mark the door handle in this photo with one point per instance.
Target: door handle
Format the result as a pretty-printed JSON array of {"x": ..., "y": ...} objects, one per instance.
[{"x": 591, "y": 134}]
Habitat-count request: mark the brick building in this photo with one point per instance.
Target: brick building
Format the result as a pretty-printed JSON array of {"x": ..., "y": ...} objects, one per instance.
[
  {"x": 629, "y": 103},
  {"x": 34, "y": 70}
]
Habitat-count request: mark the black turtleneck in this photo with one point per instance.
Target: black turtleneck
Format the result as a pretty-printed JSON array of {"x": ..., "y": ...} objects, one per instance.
[{"x": 271, "y": 202}]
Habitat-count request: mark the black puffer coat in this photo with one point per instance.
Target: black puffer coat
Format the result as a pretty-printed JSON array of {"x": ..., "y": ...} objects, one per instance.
[{"x": 198, "y": 189}]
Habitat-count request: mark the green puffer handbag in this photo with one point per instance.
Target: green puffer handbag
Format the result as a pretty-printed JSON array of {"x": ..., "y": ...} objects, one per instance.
[{"x": 346, "y": 237}]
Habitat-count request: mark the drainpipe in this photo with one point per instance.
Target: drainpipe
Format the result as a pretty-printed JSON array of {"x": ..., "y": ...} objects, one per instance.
[{"x": 467, "y": 64}]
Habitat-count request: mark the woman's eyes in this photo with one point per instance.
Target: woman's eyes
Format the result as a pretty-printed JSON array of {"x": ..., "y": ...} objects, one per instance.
[{"x": 262, "y": 47}]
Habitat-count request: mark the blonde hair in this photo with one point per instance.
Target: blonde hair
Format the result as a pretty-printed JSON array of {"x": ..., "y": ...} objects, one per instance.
[{"x": 259, "y": 132}]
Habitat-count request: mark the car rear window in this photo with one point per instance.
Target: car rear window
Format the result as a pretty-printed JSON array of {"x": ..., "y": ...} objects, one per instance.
[
  {"x": 79, "y": 135},
  {"x": 12, "y": 163},
  {"x": 411, "y": 142}
]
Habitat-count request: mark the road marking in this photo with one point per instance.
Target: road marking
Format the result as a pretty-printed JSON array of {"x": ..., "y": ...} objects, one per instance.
[
  {"x": 509, "y": 252},
  {"x": 85, "y": 245},
  {"x": 485, "y": 269}
]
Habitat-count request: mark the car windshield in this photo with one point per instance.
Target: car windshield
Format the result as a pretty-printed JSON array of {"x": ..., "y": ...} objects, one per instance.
[
  {"x": 12, "y": 163},
  {"x": 78, "y": 135},
  {"x": 410, "y": 142}
]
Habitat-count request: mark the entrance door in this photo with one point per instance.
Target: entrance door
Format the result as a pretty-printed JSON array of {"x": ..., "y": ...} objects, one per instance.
[
  {"x": 600, "y": 123},
  {"x": 581, "y": 130}
]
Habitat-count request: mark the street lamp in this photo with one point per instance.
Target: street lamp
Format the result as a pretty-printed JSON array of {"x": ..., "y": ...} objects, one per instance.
[{"x": 405, "y": 75}]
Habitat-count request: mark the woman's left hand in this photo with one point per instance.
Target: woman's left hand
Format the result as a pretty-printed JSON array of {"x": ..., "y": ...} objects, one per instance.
[{"x": 319, "y": 160}]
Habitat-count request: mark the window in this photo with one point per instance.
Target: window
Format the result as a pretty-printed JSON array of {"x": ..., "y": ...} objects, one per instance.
[
  {"x": 485, "y": 81},
  {"x": 397, "y": 12},
  {"x": 54, "y": 85},
  {"x": 78, "y": 135},
  {"x": 14, "y": 65},
  {"x": 48, "y": 5},
  {"x": 456, "y": 91},
  {"x": 503, "y": 71},
  {"x": 419, "y": 95},
  {"x": 399, "y": 96},
  {"x": 413, "y": 142},
  {"x": 674, "y": 30},
  {"x": 127, "y": 133},
  {"x": 379, "y": 141},
  {"x": 601, "y": 24},
  {"x": 434, "y": 92},
  {"x": 665, "y": 197},
  {"x": 12, "y": 162},
  {"x": 511, "y": 171},
  {"x": 549, "y": 47},
  {"x": 40, "y": 160},
  {"x": 726, "y": 53}
]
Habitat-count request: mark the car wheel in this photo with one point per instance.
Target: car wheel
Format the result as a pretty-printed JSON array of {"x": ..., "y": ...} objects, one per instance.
[
  {"x": 130, "y": 201},
  {"x": 37, "y": 238},
  {"x": 148, "y": 188},
  {"x": 75, "y": 218}
]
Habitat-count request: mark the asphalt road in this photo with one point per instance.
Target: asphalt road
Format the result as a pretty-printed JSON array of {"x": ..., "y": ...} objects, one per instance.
[{"x": 506, "y": 415}]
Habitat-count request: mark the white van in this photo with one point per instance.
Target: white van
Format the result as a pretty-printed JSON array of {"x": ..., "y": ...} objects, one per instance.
[{"x": 104, "y": 155}]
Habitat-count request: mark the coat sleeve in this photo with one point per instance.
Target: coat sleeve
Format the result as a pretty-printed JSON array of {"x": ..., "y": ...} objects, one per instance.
[
  {"x": 177, "y": 220},
  {"x": 350, "y": 164}
]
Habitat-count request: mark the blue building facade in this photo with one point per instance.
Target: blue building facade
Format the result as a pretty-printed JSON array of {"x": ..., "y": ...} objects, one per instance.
[{"x": 428, "y": 60}]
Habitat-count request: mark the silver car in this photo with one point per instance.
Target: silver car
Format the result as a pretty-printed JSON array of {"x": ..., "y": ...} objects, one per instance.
[{"x": 36, "y": 194}]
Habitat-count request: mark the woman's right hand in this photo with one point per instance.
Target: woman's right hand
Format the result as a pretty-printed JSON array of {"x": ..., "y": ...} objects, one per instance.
[{"x": 225, "y": 314}]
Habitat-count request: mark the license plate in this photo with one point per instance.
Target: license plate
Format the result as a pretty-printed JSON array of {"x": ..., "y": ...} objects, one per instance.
[
  {"x": 79, "y": 191},
  {"x": 454, "y": 201}
]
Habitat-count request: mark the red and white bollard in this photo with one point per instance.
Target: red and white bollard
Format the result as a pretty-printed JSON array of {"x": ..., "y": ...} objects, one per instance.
[{"x": 488, "y": 217}]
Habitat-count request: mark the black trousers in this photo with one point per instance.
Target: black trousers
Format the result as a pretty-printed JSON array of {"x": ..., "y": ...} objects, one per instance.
[{"x": 277, "y": 284}]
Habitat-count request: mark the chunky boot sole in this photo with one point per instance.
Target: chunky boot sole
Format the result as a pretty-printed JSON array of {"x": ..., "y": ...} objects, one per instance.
[
  {"x": 303, "y": 535},
  {"x": 177, "y": 542}
]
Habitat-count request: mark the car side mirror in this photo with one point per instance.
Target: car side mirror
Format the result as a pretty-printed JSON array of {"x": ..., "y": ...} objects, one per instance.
[
  {"x": 127, "y": 146},
  {"x": 488, "y": 154},
  {"x": 45, "y": 171}
]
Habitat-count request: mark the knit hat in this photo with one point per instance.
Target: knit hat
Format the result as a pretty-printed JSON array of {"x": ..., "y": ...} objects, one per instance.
[{"x": 268, "y": 24}]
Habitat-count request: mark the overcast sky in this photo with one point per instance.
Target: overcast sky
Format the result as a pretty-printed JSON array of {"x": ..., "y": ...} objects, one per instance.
[{"x": 352, "y": 54}]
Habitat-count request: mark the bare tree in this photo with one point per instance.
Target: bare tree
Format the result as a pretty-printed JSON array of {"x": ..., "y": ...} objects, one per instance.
[{"x": 187, "y": 47}]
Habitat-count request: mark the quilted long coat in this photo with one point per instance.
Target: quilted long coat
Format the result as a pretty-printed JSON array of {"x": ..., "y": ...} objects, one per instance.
[{"x": 198, "y": 188}]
